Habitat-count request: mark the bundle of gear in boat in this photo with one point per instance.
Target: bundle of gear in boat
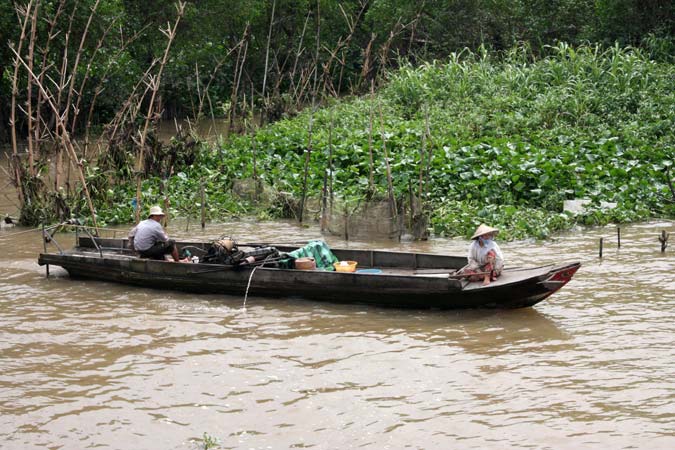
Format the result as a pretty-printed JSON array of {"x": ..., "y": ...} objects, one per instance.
[{"x": 226, "y": 251}]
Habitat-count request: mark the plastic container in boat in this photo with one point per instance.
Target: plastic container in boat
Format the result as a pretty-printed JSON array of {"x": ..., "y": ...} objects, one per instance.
[
  {"x": 305, "y": 264},
  {"x": 345, "y": 266},
  {"x": 370, "y": 271}
]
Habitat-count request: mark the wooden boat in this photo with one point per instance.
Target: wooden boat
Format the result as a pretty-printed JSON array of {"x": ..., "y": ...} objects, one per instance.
[{"x": 408, "y": 280}]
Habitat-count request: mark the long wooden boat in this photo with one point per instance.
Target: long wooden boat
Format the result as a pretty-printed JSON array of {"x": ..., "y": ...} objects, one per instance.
[{"x": 409, "y": 280}]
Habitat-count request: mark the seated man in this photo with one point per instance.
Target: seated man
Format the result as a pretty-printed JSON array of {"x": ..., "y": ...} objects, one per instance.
[{"x": 150, "y": 240}]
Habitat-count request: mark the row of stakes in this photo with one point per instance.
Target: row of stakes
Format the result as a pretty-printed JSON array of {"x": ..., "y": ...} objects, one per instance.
[{"x": 663, "y": 238}]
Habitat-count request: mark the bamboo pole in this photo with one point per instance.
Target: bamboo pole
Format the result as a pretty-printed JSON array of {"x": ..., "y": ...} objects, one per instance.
[
  {"x": 308, "y": 152},
  {"x": 267, "y": 51},
  {"x": 423, "y": 152},
  {"x": 371, "y": 162},
  {"x": 390, "y": 184},
  {"x": 324, "y": 197},
  {"x": 238, "y": 70},
  {"x": 165, "y": 194},
  {"x": 99, "y": 89},
  {"x": 430, "y": 153},
  {"x": 15, "y": 92},
  {"x": 367, "y": 55},
  {"x": 214, "y": 72},
  {"x": 254, "y": 150},
  {"x": 203, "y": 203},
  {"x": 170, "y": 33},
  {"x": 342, "y": 44},
  {"x": 87, "y": 70},
  {"x": 29, "y": 89},
  {"x": 58, "y": 165},
  {"x": 65, "y": 140},
  {"x": 44, "y": 67},
  {"x": 298, "y": 52}
]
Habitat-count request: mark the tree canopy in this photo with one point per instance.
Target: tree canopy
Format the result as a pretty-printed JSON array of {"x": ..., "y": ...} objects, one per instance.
[{"x": 222, "y": 45}]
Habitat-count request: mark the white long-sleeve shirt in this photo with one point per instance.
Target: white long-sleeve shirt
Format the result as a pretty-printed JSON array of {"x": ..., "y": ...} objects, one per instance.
[{"x": 478, "y": 255}]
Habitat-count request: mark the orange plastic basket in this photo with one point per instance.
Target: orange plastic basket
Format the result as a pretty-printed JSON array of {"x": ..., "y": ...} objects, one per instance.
[{"x": 345, "y": 266}]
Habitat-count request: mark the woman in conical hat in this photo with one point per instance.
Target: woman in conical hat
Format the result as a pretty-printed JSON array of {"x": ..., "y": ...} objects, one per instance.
[{"x": 486, "y": 260}]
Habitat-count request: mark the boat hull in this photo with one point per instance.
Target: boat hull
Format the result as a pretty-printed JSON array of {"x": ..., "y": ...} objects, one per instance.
[{"x": 393, "y": 290}]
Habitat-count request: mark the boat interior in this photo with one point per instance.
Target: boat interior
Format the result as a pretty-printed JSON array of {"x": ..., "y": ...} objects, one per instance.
[{"x": 369, "y": 262}]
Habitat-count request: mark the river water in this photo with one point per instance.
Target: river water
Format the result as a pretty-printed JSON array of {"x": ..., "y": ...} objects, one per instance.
[{"x": 87, "y": 364}]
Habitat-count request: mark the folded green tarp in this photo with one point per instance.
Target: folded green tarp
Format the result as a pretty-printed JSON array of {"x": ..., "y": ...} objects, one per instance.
[{"x": 318, "y": 250}]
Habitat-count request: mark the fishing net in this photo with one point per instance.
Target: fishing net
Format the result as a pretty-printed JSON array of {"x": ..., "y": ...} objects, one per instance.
[
  {"x": 227, "y": 251},
  {"x": 223, "y": 251}
]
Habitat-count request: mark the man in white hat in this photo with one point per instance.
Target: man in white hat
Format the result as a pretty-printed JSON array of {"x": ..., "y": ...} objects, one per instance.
[
  {"x": 150, "y": 240},
  {"x": 486, "y": 260}
]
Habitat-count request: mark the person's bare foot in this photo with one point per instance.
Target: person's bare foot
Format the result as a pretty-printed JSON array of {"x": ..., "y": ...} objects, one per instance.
[{"x": 486, "y": 280}]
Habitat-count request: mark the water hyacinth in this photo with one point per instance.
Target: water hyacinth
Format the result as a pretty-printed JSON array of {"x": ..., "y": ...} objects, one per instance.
[{"x": 510, "y": 137}]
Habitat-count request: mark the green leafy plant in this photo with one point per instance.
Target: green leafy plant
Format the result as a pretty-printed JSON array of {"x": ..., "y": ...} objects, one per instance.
[{"x": 510, "y": 138}]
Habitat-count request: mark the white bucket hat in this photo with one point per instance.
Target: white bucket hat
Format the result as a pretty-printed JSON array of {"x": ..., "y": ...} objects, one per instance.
[
  {"x": 156, "y": 211},
  {"x": 484, "y": 229}
]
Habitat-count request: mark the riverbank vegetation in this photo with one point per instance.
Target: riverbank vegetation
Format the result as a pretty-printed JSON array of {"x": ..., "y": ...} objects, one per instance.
[
  {"x": 503, "y": 140},
  {"x": 334, "y": 107}
]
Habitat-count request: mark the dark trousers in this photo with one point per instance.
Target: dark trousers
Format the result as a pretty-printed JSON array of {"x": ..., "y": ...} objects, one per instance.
[{"x": 158, "y": 250}]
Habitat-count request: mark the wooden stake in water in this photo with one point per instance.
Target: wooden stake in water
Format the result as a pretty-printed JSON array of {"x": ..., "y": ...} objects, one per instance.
[
  {"x": 203, "y": 200},
  {"x": 44, "y": 244},
  {"x": 618, "y": 237},
  {"x": 664, "y": 240},
  {"x": 165, "y": 219},
  {"x": 600, "y": 254}
]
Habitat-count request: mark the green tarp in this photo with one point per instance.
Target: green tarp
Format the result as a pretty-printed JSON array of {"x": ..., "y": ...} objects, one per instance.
[{"x": 318, "y": 250}]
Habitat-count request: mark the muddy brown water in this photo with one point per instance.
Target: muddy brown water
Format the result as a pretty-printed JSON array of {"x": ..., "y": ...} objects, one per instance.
[{"x": 87, "y": 364}]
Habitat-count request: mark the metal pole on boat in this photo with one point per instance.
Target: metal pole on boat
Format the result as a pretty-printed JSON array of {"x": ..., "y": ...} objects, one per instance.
[
  {"x": 44, "y": 245},
  {"x": 600, "y": 253}
]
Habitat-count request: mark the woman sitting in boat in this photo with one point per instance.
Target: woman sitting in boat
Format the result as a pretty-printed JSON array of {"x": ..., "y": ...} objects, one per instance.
[
  {"x": 486, "y": 260},
  {"x": 150, "y": 240}
]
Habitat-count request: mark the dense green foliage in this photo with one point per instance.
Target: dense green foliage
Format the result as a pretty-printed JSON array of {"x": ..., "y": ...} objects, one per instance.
[
  {"x": 511, "y": 137},
  {"x": 418, "y": 31},
  {"x": 518, "y": 120}
]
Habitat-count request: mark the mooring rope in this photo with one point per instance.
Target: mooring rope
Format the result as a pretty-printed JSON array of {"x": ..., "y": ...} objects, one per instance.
[
  {"x": 7, "y": 236},
  {"x": 64, "y": 224}
]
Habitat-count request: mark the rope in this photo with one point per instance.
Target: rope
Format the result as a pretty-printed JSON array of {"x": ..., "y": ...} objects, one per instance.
[
  {"x": 248, "y": 286},
  {"x": 250, "y": 278},
  {"x": 115, "y": 230},
  {"x": 19, "y": 232},
  {"x": 8, "y": 236}
]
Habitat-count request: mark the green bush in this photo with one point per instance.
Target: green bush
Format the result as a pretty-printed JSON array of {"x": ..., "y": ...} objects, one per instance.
[{"x": 511, "y": 138}]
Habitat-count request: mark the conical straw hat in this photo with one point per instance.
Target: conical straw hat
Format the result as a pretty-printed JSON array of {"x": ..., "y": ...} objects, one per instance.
[{"x": 483, "y": 229}]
